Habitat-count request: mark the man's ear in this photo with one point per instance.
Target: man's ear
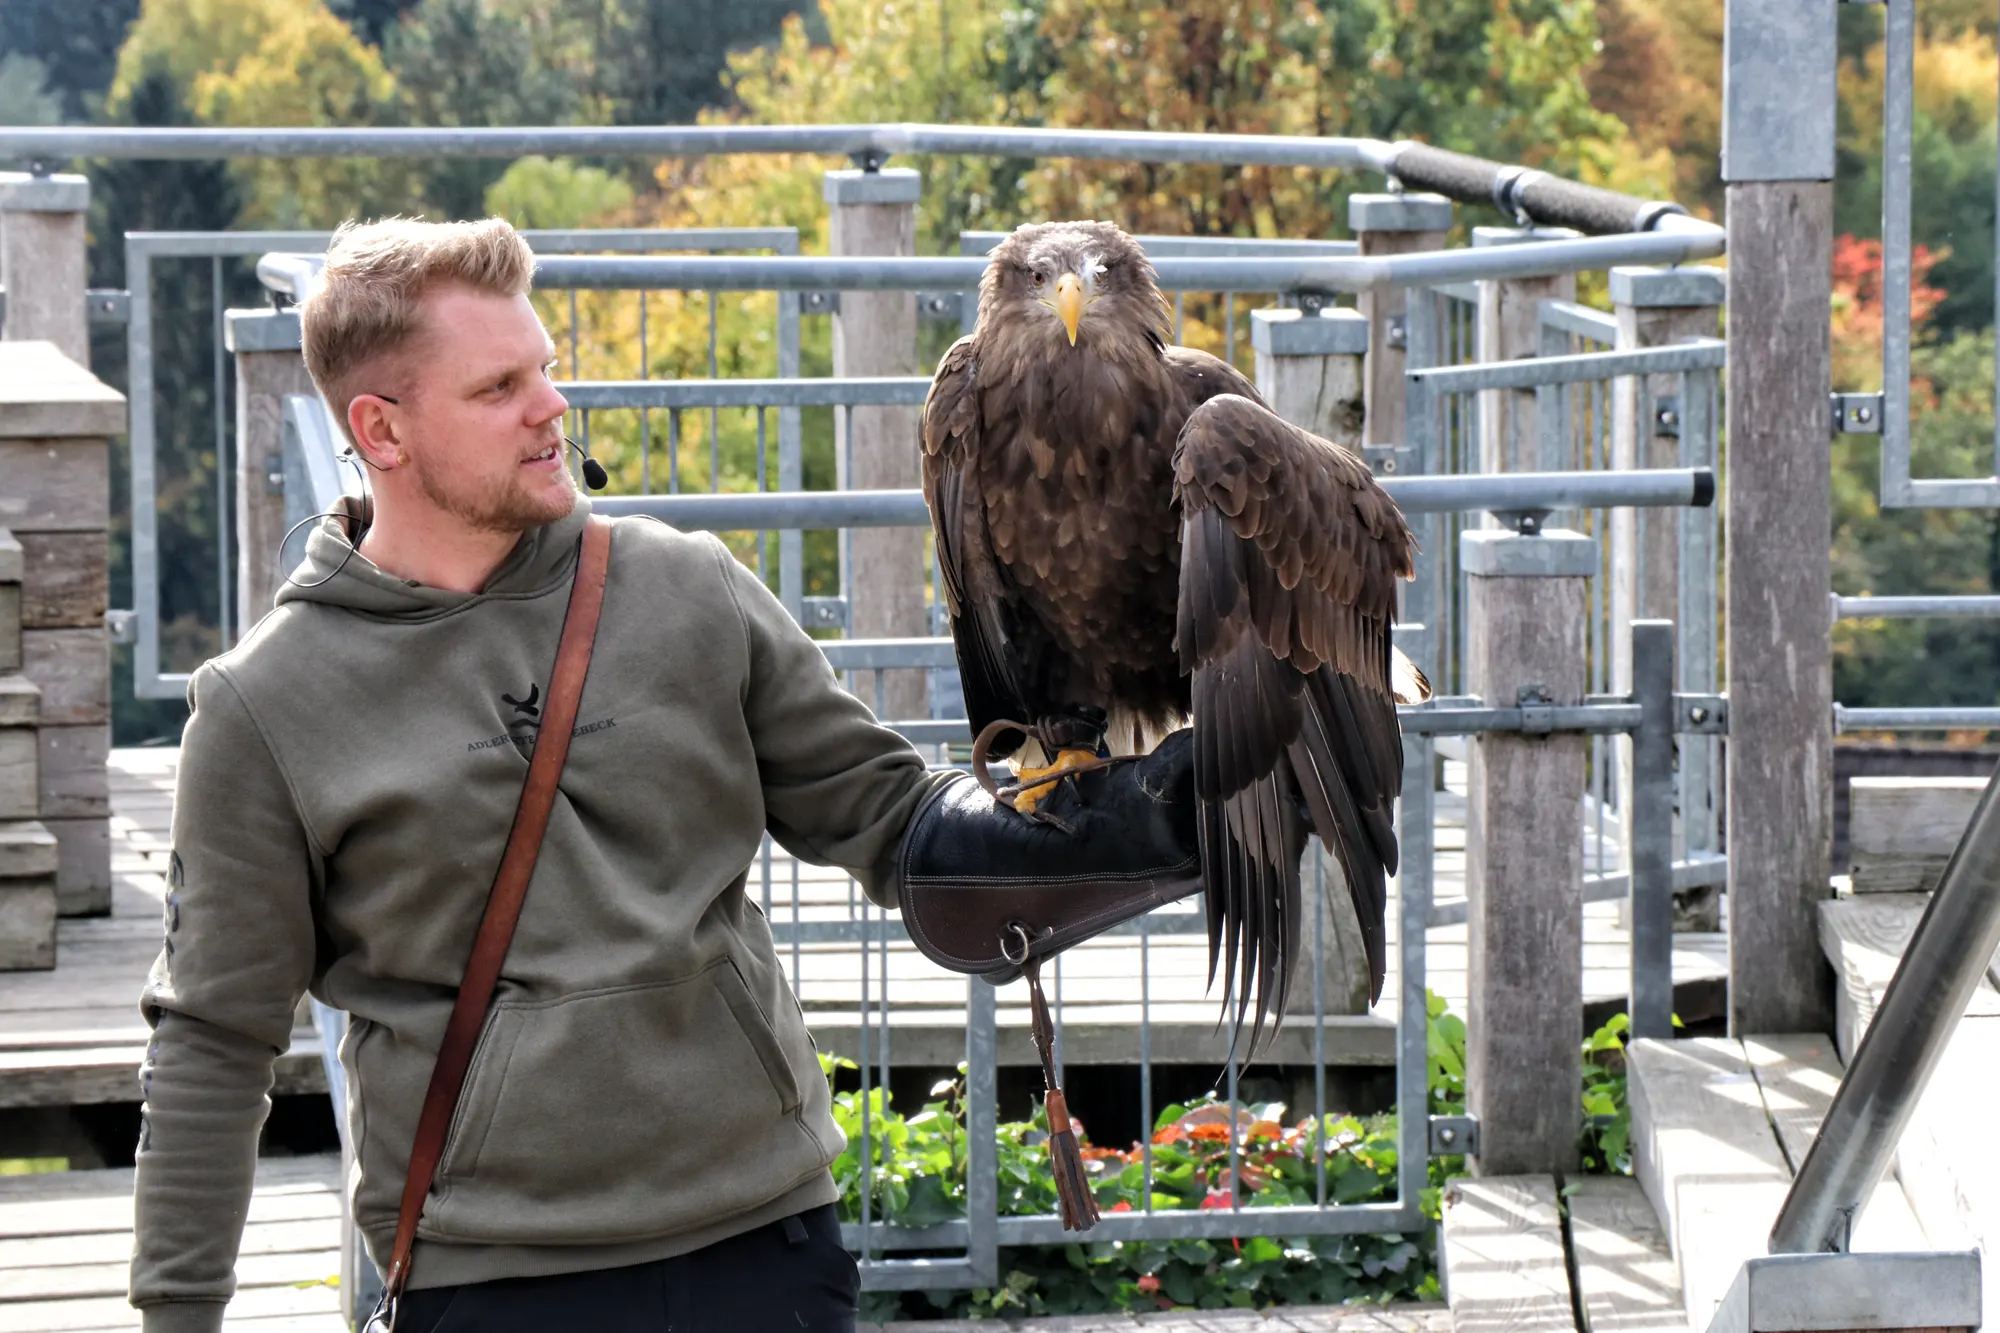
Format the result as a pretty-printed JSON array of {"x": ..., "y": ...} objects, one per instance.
[{"x": 372, "y": 421}]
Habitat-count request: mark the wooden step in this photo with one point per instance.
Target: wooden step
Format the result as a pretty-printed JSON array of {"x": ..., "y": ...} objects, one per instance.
[
  {"x": 1625, "y": 1278},
  {"x": 1946, "y": 1159},
  {"x": 1504, "y": 1266},
  {"x": 1902, "y": 830},
  {"x": 1718, "y": 1126},
  {"x": 1863, "y": 936}
]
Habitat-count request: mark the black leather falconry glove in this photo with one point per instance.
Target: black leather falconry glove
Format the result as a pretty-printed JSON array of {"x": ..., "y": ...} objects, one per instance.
[{"x": 985, "y": 889}]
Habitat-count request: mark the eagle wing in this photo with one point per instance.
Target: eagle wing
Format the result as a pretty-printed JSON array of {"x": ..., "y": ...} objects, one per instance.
[
  {"x": 1289, "y": 560},
  {"x": 974, "y": 582}
]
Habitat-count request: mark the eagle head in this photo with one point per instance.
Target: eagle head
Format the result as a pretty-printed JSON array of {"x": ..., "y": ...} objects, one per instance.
[{"x": 1051, "y": 275}]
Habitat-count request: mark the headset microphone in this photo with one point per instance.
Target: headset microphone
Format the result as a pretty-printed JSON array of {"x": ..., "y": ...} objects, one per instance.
[{"x": 594, "y": 475}]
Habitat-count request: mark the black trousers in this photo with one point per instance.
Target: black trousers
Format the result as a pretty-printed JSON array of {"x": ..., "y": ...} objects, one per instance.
[{"x": 789, "y": 1277}]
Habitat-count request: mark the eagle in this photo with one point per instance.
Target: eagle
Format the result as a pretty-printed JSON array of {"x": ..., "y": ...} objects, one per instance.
[{"x": 1129, "y": 538}]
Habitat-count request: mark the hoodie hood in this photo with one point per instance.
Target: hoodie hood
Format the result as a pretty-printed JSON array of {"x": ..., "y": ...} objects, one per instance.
[{"x": 335, "y": 574}]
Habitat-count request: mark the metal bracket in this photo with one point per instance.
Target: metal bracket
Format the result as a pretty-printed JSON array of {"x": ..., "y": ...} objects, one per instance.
[
  {"x": 1396, "y": 332},
  {"x": 1537, "y": 707},
  {"x": 868, "y": 159},
  {"x": 1702, "y": 714},
  {"x": 819, "y": 303},
  {"x": 108, "y": 305},
  {"x": 274, "y": 473},
  {"x": 1310, "y": 303},
  {"x": 1454, "y": 1135},
  {"x": 1857, "y": 414},
  {"x": 123, "y": 626},
  {"x": 1385, "y": 460},
  {"x": 1667, "y": 416},
  {"x": 1527, "y": 522},
  {"x": 823, "y": 613},
  {"x": 942, "y": 307}
]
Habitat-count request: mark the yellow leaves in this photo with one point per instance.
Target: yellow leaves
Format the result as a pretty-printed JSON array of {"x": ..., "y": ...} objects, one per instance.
[{"x": 272, "y": 62}]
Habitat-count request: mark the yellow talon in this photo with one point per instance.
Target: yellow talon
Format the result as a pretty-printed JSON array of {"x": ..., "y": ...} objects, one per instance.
[{"x": 1026, "y": 800}]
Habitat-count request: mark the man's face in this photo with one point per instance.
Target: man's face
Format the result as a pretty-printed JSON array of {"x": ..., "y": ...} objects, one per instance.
[{"x": 484, "y": 424}]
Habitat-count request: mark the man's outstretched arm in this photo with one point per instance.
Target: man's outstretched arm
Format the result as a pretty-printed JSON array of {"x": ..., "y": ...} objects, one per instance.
[{"x": 237, "y": 954}]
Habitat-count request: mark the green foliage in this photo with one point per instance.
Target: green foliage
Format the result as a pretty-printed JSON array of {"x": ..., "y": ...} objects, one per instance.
[
  {"x": 551, "y": 193},
  {"x": 77, "y": 45},
  {"x": 1606, "y": 1149},
  {"x": 25, "y": 97}
]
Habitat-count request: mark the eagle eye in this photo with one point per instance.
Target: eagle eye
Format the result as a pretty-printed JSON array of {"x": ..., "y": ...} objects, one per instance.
[{"x": 1040, "y": 277}]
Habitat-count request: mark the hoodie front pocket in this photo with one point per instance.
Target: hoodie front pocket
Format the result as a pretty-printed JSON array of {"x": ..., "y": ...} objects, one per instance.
[{"x": 621, "y": 1114}]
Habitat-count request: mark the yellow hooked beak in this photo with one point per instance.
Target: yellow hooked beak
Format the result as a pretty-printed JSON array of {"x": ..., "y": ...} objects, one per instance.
[{"x": 1069, "y": 303}]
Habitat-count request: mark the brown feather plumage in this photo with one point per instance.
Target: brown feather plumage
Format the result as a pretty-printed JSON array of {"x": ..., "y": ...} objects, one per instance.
[{"x": 1123, "y": 525}]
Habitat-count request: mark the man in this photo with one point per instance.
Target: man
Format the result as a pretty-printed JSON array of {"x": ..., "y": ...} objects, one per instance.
[{"x": 644, "y": 1136}]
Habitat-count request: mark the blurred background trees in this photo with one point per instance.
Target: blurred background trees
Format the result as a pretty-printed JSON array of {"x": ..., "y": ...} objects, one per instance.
[{"x": 1620, "y": 92}]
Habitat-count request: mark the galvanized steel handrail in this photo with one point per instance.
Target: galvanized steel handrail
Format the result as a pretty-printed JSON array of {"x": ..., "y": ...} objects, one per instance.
[
  {"x": 1942, "y": 966},
  {"x": 1512, "y": 492}
]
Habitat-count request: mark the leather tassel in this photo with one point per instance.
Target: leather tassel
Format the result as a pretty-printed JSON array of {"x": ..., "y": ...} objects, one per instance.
[{"x": 1073, "y": 1192}]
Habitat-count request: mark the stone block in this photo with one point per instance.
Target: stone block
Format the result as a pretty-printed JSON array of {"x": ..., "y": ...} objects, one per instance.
[
  {"x": 67, "y": 584},
  {"x": 27, "y": 849},
  {"x": 28, "y": 924},
  {"x": 75, "y": 781},
  {"x": 83, "y": 865},
  {"x": 55, "y": 484},
  {"x": 20, "y": 774},
  {"x": 44, "y": 394},
  {"x": 73, "y": 668}
]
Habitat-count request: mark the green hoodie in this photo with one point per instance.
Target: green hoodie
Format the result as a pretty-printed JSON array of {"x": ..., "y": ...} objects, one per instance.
[{"x": 645, "y": 1084}]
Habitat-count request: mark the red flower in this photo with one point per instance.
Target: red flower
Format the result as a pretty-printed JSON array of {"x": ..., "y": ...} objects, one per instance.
[
  {"x": 1216, "y": 1199},
  {"x": 1171, "y": 1134},
  {"x": 1212, "y": 1133},
  {"x": 1122, "y": 1206},
  {"x": 1147, "y": 1282}
]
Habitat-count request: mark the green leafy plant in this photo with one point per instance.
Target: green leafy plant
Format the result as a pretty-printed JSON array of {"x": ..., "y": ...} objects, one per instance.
[{"x": 1606, "y": 1149}]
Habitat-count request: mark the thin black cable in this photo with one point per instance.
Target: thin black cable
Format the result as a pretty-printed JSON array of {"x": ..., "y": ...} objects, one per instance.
[{"x": 367, "y": 506}]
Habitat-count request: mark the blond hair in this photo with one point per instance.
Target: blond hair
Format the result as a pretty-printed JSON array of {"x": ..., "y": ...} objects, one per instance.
[{"x": 368, "y": 302}]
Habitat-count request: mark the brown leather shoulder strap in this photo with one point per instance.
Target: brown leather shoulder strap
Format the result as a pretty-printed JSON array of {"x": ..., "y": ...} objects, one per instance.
[{"x": 510, "y": 888}]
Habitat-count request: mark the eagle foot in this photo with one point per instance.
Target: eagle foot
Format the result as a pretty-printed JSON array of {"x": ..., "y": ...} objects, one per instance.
[{"x": 1037, "y": 783}]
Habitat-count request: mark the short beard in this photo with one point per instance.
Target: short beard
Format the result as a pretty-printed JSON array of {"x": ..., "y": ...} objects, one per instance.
[{"x": 504, "y": 507}]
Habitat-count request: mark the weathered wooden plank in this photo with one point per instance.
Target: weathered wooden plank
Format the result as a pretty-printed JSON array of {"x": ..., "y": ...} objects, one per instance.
[
  {"x": 26, "y": 848},
  {"x": 1626, "y": 1279},
  {"x": 93, "y": 1313},
  {"x": 44, "y": 265},
  {"x": 116, "y": 1246},
  {"x": 74, "y": 783},
  {"x": 1779, "y": 642},
  {"x": 1798, "y": 1076},
  {"x": 1703, "y": 1150},
  {"x": 1525, "y": 889},
  {"x": 68, "y": 579},
  {"x": 20, "y": 701},
  {"x": 20, "y": 774},
  {"x": 104, "y": 1075},
  {"x": 288, "y": 1189},
  {"x": 10, "y": 624},
  {"x": 1504, "y": 1270},
  {"x": 1945, "y": 1159},
  {"x": 55, "y": 485},
  {"x": 1864, "y": 937},
  {"x": 1901, "y": 831},
  {"x": 73, "y": 1280},
  {"x": 47, "y": 395},
  {"x": 73, "y": 667},
  {"x": 262, "y": 381},
  {"x": 28, "y": 924},
  {"x": 83, "y": 879}
]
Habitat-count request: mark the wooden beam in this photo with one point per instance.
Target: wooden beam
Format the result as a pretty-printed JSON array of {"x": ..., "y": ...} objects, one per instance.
[
  {"x": 1779, "y": 658},
  {"x": 1901, "y": 831},
  {"x": 1504, "y": 1268},
  {"x": 1626, "y": 1281}
]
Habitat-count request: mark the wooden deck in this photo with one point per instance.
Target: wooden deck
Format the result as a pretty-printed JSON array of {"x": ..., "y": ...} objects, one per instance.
[
  {"x": 73, "y": 1036},
  {"x": 66, "y": 1250}
]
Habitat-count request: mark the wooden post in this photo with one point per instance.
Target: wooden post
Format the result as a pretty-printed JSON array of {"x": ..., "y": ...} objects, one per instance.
[
  {"x": 42, "y": 265},
  {"x": 1524, "y": 850},
  {"x": 1392, "y": 224},
  {"x": 1510, "y": 329},
  {"x": 55, "y": 418},
  {"x": 27, "y": 850},
  {"x": 1655, "y": 307},
  {"x": 875, "y": 333},
  {"x": 1310, "y": 369},
  {"x": 268, "y": 366},
  {"x": 1777, "y": 160}
]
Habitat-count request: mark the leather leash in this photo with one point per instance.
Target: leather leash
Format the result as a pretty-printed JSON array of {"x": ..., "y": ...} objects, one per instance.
[{"x": 503, "y": 903}]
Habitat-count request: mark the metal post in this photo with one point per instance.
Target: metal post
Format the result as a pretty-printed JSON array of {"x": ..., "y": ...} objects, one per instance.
[
  {"x": 1510, "y": 329},
  {"x": 268, "y": 367},
  {"x": 1942, "y": 966},
  {"x": 1392, "y": 224},
  {"x": 1649, "y": 825},
  {"x": 1654, "y": 308},
  {"x": 875, "y": 333},
  {"x": 42, "y": 261},
  {"x": 1777, "y": 159},
  {"x": 1524, "y": 850},
  {"x": 1310, "y": 370}
]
